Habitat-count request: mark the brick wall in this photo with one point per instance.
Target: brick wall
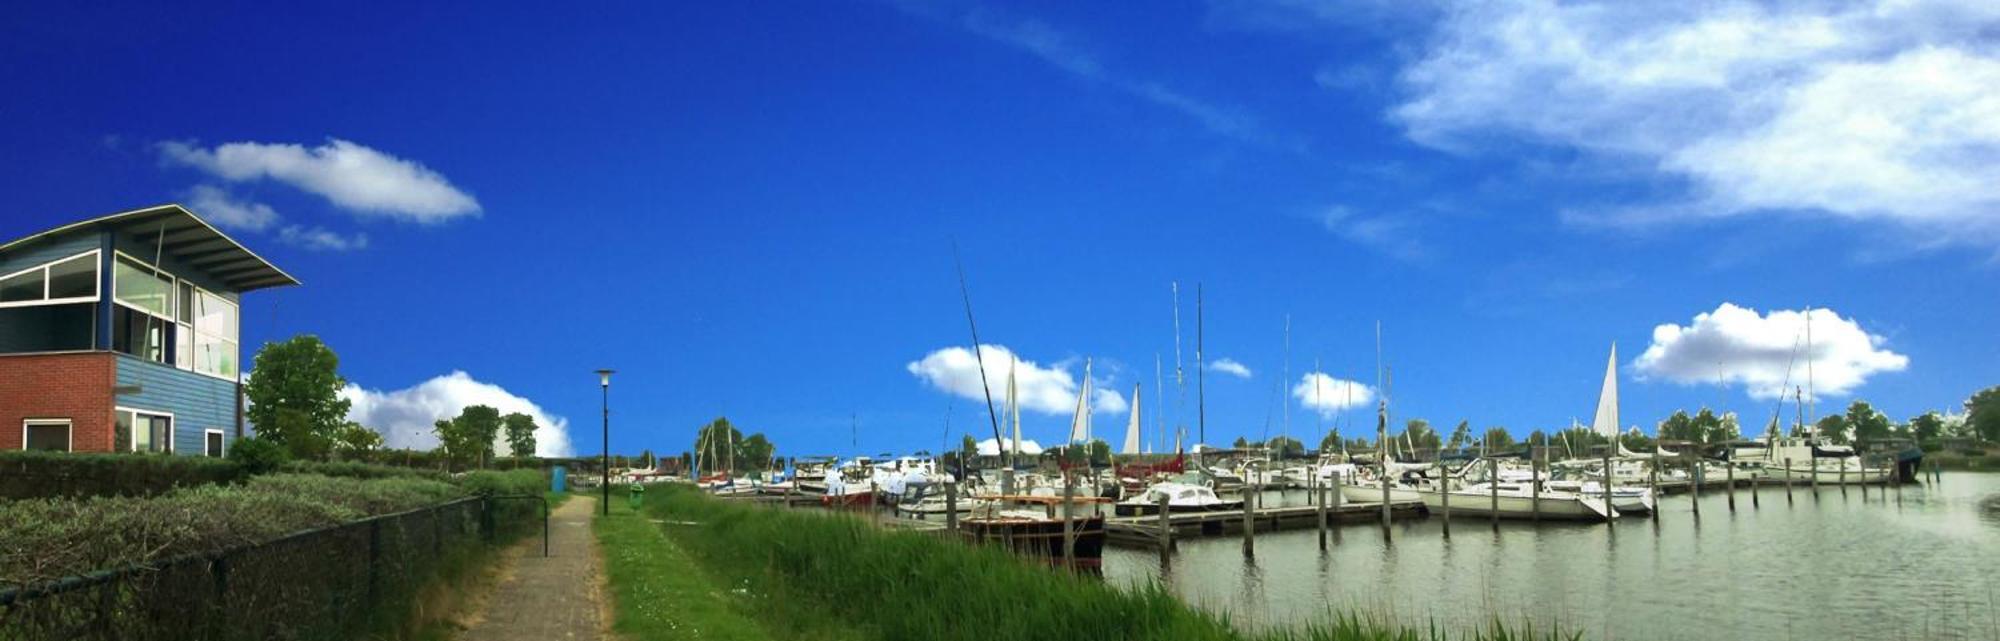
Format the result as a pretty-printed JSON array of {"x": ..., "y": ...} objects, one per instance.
[{"x": 72, "y": 386}]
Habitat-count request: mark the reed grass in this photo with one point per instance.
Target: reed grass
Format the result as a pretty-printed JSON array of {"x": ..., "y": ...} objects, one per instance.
[{"x": 908, "y": 585}]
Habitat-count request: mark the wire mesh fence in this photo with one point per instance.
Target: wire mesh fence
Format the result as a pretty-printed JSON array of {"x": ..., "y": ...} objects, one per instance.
[{"x": 332, "y": 583}]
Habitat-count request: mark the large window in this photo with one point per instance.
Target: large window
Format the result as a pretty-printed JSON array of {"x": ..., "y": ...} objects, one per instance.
[
  {"x": 139, "y": 334},
  {"x": 143, "y": 288},
  {"x": 50, "y": 434},
  {"x": 214, "y": 335},
  {"x": 148, "y": 432},
  {"x": 158, "y": 315},
  {"x": 69, "y": 280}
]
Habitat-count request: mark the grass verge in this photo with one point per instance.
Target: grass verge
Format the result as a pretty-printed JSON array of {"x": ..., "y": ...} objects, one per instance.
[{"x": 832, "y": 575}]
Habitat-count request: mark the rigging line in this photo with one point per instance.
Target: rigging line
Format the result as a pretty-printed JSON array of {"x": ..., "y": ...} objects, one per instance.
[{"x": 977, "y": 353}]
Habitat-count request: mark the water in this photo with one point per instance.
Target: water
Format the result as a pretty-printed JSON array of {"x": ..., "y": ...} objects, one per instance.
[{"x": 1927, "y": 567}]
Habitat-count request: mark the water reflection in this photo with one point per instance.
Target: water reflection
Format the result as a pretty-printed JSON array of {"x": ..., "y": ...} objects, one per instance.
[{"x": 1916, "y": 565}]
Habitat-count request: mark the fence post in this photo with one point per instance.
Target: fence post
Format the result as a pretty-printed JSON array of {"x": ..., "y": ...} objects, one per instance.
[
  {"x": 486, "y": 519},
  {"x": 374, "y": 561},
  {"x": 1249, "y": 524},
  {"x": 219, "y": 619},
  {"x": 951, "y": 505}
]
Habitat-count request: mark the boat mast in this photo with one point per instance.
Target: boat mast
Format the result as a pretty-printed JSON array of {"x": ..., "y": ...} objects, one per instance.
[
  {"x": 978, "y": 355},
  {"x": 1180, "y": 376},
  {"x": 1287, "y": 378},
  {"x": 1200, "y": 379}
]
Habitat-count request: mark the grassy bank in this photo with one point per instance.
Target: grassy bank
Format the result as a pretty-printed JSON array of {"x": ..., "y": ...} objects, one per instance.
[
  {"x": 1964, "y": 460},
  {"x": 787, "y": 573}
]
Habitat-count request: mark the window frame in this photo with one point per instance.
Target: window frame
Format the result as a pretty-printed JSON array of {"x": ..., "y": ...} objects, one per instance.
[
  {"x": 171, "y": 344},
  {"x": 173, "y": 427},
  {"x": 97, "y": 284},
  {"x": 221, "y": 443},
  {"x": 68, "y": 425}
]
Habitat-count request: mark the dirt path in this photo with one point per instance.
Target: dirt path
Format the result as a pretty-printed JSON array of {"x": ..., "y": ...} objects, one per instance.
[{"x": 554, "y": 598}]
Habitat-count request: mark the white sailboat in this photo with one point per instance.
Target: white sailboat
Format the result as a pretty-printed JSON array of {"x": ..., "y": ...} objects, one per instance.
[
  {"x": 1606, "y": 421},
  {"x": 1079, "y": 424},
  {"x": 1518, "y": 501}
]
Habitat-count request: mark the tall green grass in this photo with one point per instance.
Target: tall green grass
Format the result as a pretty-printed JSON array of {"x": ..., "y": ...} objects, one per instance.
[{"x": 906, "y": 585}]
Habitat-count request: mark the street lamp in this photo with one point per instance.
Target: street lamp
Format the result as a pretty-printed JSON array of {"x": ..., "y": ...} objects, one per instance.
[{"x": 604, "y": 381}]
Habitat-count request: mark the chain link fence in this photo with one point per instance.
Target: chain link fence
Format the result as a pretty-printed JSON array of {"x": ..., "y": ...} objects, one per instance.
[{"x": 335, "y": 583}]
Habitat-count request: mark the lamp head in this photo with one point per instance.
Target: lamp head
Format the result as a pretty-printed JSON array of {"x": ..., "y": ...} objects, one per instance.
[{"x": 604, "y": 377}]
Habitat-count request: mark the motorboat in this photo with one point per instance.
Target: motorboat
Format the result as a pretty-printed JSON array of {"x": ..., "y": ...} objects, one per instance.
[
  {"x": 1181, "y": 497},
  {"x": 850, "y": 483},
  {"x": 1517, "y": 501},
  {"x": 927, "y": 501}
]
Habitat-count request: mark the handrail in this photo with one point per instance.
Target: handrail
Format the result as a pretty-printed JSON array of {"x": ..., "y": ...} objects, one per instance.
[{"x": 545, "y": 514}]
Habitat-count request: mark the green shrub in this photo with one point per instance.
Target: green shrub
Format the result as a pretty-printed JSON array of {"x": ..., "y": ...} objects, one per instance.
[
  {"x": 34, "y": 474},
  {"x": 359, "y": 470},
  {"x": 258, "y": 455}
]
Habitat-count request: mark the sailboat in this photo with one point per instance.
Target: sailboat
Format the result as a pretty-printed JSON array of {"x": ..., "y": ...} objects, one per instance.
[{"x": 1131, "y": 446}]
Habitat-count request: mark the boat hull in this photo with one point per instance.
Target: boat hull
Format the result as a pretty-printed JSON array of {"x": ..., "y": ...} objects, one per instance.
[
  {"x": 855, "y": 499},
  {"x": 1559, "y": 508},
  {"x": 1368, "y": 494},
  {"x": 1148, "y": 509},
  {"x": 1042, "y": 539}
]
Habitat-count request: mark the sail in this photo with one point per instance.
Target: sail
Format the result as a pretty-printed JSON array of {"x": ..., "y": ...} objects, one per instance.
[
  {"x": 1014, "y": 407},
  {"x": 1606, "y": 422},
  {"x": 1132, "y": 429},
  {"x": 1079, "y": 424}
]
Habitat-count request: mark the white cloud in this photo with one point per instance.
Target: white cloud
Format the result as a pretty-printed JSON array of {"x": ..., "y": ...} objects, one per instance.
[
  {"x": 404, "y": 417},
  {"x": 1328, "y": 395},
  {"x": 319, "y": 239},
  {"x": 217, "y": 206},
  {"x": 1886, "y": 110},
  {"x": 1048, "y": 390},
  {"x": 1229, "y": 366},
  {"x": 1389, "y": 234},
  {"x": 1767, "y": 354},
  {"x": 351, "y": 176}
]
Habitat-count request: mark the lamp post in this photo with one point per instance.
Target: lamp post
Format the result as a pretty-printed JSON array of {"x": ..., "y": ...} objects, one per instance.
[{"x": 604, "y": 381}]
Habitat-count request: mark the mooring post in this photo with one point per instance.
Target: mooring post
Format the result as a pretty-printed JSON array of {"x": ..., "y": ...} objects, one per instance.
[
  {"x": 1069, "y": 527},
  {"x": 1864, "y": 482},
  {"x": 1812, "y": 466},
  {"x": 1607, "y": 483},
  {"x": 1319, "y": 509},
  {"x": 1444, "y": 502},
  {"x": 1249, "y": 519},
  {"x": 1694, "y": 489},
  {"x": 1756, "y": 490},
  {"x": 1535, "y": 467},
  {"x": 1385, "y": 496},
  {"x": 1730, "y": 475},
  {"x": 874, "y": 495},
  {"x": 1788, "y": 480},
  {"x": 1493, "y": 484},
  {"x": 1843, "y": 477},
  {"x": 1653, "y": 483},
  {"x": 1166, "y": 529},
  {"x": 1899, "y": 492},
  {"x": 951, "y": 505}
]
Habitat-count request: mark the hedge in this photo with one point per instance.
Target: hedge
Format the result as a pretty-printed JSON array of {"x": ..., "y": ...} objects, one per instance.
[{"x": 34, "y": 474}]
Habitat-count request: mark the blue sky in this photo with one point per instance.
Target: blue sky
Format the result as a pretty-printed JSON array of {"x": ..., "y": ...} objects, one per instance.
[{"x": 749, "y": 209}]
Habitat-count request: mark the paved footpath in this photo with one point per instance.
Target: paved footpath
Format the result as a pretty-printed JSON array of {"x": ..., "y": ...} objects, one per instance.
[{"x": 554, "y": 598}]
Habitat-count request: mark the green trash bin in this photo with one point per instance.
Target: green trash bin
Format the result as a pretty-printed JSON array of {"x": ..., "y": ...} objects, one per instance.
[{"x": 636, "y": 496}]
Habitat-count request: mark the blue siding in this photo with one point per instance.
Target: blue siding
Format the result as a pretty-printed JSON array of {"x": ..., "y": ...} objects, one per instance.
[
  {"x": 198, "y": 402},
  {"x": 48, "y": 250}
]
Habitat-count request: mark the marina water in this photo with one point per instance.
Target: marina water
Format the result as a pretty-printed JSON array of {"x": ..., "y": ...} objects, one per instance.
[{"x": 1925, "y": 566}]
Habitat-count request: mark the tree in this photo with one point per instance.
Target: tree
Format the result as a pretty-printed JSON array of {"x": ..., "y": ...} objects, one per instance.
[
  {"x": 1678, "y": 427},
  {"x": 1497, "y": 439},
  {"x": 468, "y": 437},
  {"x": 1460, "y": 436},
  {"x": 1241, "y": 443},
  {"x": 1635, "y": 440},
  {"x": 715, "y": 445},
  {"x": 1832, "y": 427},
  {"x": 1867, "y": 422},
  {"x": 1723, "y": 430},
  {"x": 755, "y": 452},
  {"x": 294, "y": 394},
  {"x": 1331, "y": 442},
  {"x": 1418, "y": 435},
  {"x": 1538, "y": 438},
  {"x": 1982, "y": 414},
  {"x": 1099, "y": 452},
  {"x": 1285, "y": 447},
  {"x": 520, "y": 433},
  {"x": 354, "y": 441},
  {"x": 1928, "y": 426}
]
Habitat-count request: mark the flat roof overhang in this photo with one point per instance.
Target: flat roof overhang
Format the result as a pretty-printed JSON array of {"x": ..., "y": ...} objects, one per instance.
[{"x": 181, "y": 234}]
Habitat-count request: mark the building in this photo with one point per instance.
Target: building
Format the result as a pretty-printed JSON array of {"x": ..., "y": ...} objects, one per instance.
[{"x": 120, "y": 334}]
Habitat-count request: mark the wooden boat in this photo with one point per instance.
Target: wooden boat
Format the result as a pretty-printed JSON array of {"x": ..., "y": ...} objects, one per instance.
[{"x": 1032, "y": 526}]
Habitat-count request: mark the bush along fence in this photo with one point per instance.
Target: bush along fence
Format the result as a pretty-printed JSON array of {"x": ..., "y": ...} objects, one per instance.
[
  {"x": 31, "y": 475},
  {"x": 338, "y": 582}
]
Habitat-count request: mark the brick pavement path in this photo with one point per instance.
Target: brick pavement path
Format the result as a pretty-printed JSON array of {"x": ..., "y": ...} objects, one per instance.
[{"x": 554, "y": 598}]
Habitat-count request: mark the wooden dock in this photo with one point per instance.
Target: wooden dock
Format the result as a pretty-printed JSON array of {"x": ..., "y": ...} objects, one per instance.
[{"x": 1144, "y": 531}]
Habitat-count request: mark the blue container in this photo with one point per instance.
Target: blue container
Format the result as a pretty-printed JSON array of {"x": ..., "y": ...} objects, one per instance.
[{"x": 559, "y": 479}]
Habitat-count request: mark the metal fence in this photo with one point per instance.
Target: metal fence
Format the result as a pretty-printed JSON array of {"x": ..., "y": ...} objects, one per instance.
[{"x": 331, "y": 583}]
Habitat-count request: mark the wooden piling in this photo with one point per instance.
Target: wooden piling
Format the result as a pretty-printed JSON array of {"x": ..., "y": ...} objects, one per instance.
[
  {"x": 1493, "y": 484},
  {"x": 1756, "y": 492},
  {"x": 1444, "y": 494},
  {"x": 1655, "y": 476},
  {"x": 951, "y": 506},
  {"x": 1535, "y": 466},
  {"x": 1694, "y": 487},
  {"x": 1731, "y": 479},
  {"x": 1385, "y": 496},
  {"x": 1812, "y": 465},
  {"x": 1319, "y": 507},
  {"x": 1788, "y": 481},
  {"x": 1069, "y": 526},
  {"x": 1166, "y": 529},
  {"x": 1249, "y": 520},
  {"x": 1607, "y": 482},
  {"x": 1843, "y": 478}
]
